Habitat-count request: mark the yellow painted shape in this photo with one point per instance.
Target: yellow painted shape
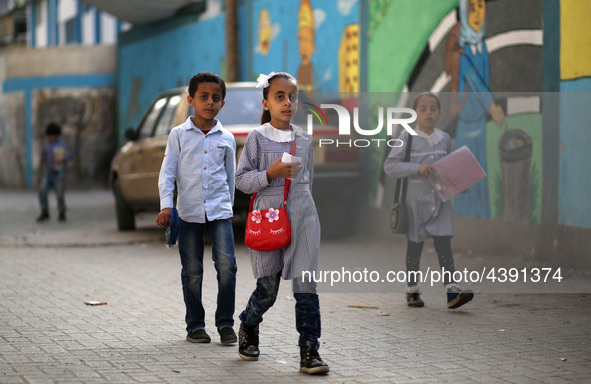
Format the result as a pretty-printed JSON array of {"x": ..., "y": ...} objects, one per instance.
[
  {"x": 264, "y": 30},
  {"x": 575, "y": 39},
  {"x": 349, "y": 59}
]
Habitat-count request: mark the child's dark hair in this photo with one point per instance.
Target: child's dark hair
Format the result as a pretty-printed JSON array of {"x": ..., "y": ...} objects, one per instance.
[
  {"x": 206, "y": 77},
  {"x": 266, "y": 115},
  {"x": 415, "y": 103},
  {"x": 53, "y": 129}
]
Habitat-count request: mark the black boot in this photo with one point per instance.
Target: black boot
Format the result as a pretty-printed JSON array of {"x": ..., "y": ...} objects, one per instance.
[
  {"x": 311, "y": 363},
  {"x": 42, "y": 217},
  {"x": 248, "y": 342}
]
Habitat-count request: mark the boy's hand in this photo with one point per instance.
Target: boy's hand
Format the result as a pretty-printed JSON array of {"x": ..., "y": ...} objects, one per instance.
[
  {"x": 280, "y": 169},
  {"x": 426, "y": 170},
  {"x": 163, "y": 219}
]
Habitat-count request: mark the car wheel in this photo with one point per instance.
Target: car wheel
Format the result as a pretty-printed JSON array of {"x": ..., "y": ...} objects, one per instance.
[{"x": 125, "y": 214}]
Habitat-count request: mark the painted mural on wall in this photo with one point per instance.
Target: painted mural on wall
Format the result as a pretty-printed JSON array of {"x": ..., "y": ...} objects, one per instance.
[
  {"x": 88, "y": 123},
  {"x": 474, "y": 101},
  {"x": 512, "y": 190},
  {"x": 349, "y": 59},
  {"x": 472, "y": 55},
  {"x": 265, "y": 29},
  {"x": 311, "y": 39},
  {"x": 307, "y": 46},
  {"x": 12, "y": 137}
]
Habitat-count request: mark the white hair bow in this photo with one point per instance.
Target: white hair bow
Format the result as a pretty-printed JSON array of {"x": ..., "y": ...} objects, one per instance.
[{"x": 263, "y": 80}]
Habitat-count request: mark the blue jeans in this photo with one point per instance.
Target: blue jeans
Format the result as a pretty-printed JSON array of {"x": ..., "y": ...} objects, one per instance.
[
  {"x": 53, "y": 180},
  {"x": 307, "y": 308},
  {"x": 191, "y": 246}
]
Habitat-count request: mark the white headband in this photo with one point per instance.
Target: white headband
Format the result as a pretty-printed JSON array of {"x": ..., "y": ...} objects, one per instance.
[{"x": 263, "y": 80}]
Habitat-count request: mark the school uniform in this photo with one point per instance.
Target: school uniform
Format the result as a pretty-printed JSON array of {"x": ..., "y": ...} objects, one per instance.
[
  {"x": 262, "y": 148},
  {"x": 427, "y": 214}
]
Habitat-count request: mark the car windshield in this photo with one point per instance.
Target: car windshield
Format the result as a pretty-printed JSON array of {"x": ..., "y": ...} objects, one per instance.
[{"x": 243, "y": 106}]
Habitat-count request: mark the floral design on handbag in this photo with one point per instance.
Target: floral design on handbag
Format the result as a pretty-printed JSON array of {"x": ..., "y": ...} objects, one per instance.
[
  {"x": 256, "y": 216},
  {"x": 269, "y": 229}
]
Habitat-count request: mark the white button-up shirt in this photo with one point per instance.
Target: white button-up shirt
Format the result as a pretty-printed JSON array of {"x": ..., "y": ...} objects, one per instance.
[{"x": 203, "y": 167}]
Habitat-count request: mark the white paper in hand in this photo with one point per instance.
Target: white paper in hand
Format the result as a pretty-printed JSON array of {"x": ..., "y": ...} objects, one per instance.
[{"x": 288, "y": 158}]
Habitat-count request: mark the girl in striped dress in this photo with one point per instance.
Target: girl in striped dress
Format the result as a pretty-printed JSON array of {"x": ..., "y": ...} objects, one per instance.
[
  {"x": 428, "y": 215},
  {"x": 261, "y": 170}
]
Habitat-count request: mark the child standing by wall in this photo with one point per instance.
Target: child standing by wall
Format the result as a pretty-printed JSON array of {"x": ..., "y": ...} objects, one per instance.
[
  {"x": 200, "y": 157},
  {"x": 260, "y": 170},
  {"x": 55, "y": 154},
  {"x": 428, "y": 216}
]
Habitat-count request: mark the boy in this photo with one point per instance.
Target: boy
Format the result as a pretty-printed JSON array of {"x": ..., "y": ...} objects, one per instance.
[
  {"x": 200, "y": 157},
  {"x": 55, "y": 153}
]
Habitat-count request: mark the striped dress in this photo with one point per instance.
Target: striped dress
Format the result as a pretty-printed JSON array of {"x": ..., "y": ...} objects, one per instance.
[
  {"x": 262, "y": 147},
  {"x": 427, "y": 214}
]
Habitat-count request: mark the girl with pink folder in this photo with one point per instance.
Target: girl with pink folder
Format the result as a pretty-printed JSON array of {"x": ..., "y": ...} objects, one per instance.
[{"x": 428, "y": 214}]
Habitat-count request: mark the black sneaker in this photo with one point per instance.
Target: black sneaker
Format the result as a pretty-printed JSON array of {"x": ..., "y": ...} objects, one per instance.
[
  {"x": 311, "y": 363},
  {"x": 248, "y": 344},
  {"x": 198, "y": 336},
  {"x": 227, "y": 335},
  {"x": 42, "y": 217},
  {"x": 456, "y": 297},
  {"x": 62, "y": 217},
  {"x": 413, "y": 299}
]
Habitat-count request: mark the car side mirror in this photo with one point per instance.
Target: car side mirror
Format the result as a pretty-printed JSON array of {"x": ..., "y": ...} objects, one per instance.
[{"x": 130, "y": 134}]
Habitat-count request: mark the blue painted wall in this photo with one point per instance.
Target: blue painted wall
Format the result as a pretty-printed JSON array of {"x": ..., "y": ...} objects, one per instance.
[
  {"x": 331, "y": 18},
  {"x": 575, "y": 138},
  {"x": 159, "y": 57},
  {"x": 164, "y": 55}
]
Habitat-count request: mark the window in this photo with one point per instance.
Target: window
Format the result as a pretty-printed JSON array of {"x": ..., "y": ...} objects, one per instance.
[
  {"x": 147, "y": 126},
  {"x": 71, "y": 31},
  {"x": 243, "y": 106},
  {"x": 167, "y": 119},
  {"x": 38, "y": 13}
]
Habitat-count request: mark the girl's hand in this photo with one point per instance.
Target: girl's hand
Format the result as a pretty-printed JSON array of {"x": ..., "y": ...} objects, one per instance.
[
  {"x": 280, "y": 169},
  {"x": 426, "y": 170},
  {"x": 497, "y": 114},
  {"x": 163, "y": 219}
]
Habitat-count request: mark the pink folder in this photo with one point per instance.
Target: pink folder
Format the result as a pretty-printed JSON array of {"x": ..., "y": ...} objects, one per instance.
[{"x": 455, "y": 173}]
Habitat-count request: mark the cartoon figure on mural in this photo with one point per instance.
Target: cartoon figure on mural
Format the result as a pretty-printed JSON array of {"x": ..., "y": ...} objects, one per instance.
[
  {"x": 307, "y": 46},
  {"x": 471, "y": 81},
  {"x": 265, "y": 32},
  {"x": 349, "y": 59}
]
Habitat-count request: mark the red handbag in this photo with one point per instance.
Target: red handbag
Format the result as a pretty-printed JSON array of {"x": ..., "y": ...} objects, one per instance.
[{"x": 269, "y": 229}]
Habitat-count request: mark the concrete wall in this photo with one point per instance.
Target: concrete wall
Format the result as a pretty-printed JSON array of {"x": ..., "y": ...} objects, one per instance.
[{"x": 73, "y": 86}]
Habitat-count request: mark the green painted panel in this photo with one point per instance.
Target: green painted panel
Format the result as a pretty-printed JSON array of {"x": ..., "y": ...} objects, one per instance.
[{"x": 399, "y": 30}]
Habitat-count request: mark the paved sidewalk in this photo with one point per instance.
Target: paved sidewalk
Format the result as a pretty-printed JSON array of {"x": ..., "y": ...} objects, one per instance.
[{"x": 48, "y": 334}]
